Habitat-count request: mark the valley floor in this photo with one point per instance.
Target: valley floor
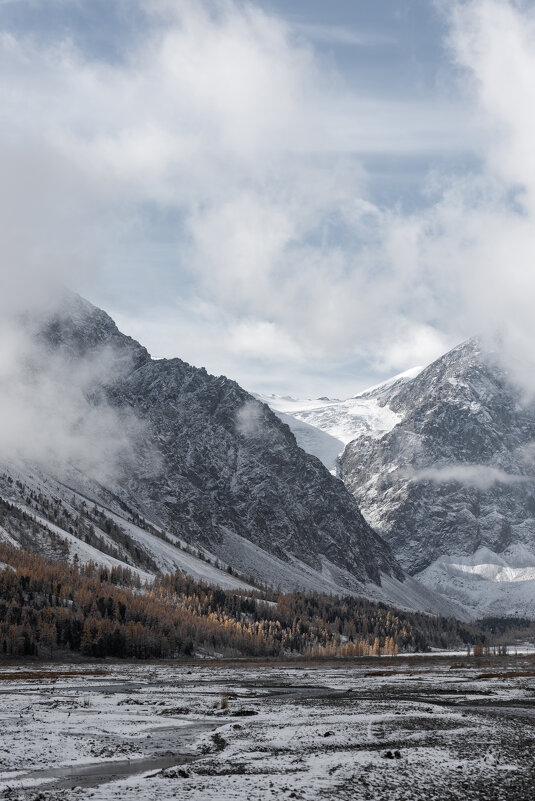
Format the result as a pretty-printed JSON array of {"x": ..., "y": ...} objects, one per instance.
[{"x": 423, "y": 728}]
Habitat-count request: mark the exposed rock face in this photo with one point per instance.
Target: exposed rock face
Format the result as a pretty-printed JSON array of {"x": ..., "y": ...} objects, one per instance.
[
  {"x": 456, "y": 473},
  {"x": 213, "y": 465}
]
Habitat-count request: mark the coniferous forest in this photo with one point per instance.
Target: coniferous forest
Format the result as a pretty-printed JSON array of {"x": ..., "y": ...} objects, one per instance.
[{"x": 49, "y": 608}]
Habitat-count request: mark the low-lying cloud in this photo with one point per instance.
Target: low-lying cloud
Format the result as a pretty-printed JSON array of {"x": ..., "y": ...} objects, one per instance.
[
  {"x": 53, "y": 409},
  {"x": 250, "y": 419},
  {"x": 479, "y": 476}
]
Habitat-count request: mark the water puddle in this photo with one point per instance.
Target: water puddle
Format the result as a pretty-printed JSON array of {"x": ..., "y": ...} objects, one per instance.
[{"x": 95, "y": 773}]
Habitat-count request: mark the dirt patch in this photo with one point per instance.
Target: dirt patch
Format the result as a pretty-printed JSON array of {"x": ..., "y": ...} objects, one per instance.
[
  {"x": 513, "y": 674},
  {"x": 49, "y": 674}
]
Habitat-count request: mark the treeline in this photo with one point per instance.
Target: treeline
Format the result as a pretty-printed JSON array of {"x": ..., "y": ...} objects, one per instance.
[
  {"x": 88, "y": 524},
  {"x": 47, "y": 606},
  {"x": 317, "y": 623}
]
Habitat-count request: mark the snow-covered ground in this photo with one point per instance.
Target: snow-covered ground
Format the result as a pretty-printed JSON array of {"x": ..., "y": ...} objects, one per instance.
[
  {"x": 424, "y": 728},
  {"x": 169, "y": 554},
  {"x": 313, "y": 440},
  {"x": 324, "y": 426},
  {"x": 344, "y": 420},
  {"x": 486, "y": 583}
]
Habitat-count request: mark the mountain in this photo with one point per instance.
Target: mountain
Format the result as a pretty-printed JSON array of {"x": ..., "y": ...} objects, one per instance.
[
  {"x": 324, "y": 427},
  {"x": 211, "y": 482},
  {"x": 451, "y": 485},
  {"x": 310, "y": 438}
]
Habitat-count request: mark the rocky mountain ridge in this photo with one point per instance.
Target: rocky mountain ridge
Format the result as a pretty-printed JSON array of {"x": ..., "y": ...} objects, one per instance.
[
  {"x": 449, "y": 483},
  {"x": 212, "y": 474},
  {"x": 324, "y": 426},
  {"x": 453, "y": 473},
  {"x": 441, "y": 463}
]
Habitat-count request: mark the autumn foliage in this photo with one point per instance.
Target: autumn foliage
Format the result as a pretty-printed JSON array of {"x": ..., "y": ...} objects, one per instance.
[{"x": 48, "y": 607}]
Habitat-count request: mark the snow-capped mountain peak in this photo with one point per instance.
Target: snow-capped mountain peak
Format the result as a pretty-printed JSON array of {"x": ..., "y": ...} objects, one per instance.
[{"x": 324, "y": 427}]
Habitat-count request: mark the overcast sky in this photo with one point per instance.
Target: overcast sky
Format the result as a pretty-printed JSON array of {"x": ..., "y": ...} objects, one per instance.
[{"x": 305, "y": 196}]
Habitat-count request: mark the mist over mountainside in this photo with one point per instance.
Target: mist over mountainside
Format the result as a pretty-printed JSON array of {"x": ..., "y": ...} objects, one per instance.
[
  {"x": 451, "y": 484},
  {"x": 198, "y": 469}
]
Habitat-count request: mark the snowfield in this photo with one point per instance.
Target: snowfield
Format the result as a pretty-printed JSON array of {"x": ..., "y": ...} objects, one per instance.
[
  {"x": 486, "y": 583},
  {"x": 323, "y": 427},
  {"x": 432, "y": 727}
]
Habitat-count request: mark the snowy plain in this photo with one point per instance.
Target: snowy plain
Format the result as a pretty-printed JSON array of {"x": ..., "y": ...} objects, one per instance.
[{"x": 419, "y": 728}]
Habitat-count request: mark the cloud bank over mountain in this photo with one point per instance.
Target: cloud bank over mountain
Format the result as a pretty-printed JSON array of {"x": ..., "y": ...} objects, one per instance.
[
  {"x": 217, "y": 162},
  {"x": 54, "y": 411}
]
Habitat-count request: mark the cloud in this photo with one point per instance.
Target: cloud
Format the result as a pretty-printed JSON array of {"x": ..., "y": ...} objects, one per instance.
[
  {"x": 480, "y": 476},
  {"x": 477, "y": 238},
  {"x": 336, "y": 34},
  {"x": 53, "y": 413},
  {"x": 263, "y": 339},
  {"x": 250, "y": 419},
  {"x": 224, "y": 141}
]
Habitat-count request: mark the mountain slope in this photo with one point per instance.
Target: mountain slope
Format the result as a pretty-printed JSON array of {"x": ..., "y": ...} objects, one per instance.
[
  {"x": 206, "y": 467},
  {"x": 324, "y": 426},
  {"x": 451, "y": 486},
  {"x": 310, "y": 438}
]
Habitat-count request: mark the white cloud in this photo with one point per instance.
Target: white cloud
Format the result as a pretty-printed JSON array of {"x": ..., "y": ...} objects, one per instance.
[
  {"x": 226, "y": 122},
  {"x": 250, "y": 419},
  {"x": 46, "y": 418},
  {"x": 336, "y": 34},
  {"x": 480, "y": 476},
  {"x": 264, "y": 340},
  {"x": 410, "y": 343}
]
